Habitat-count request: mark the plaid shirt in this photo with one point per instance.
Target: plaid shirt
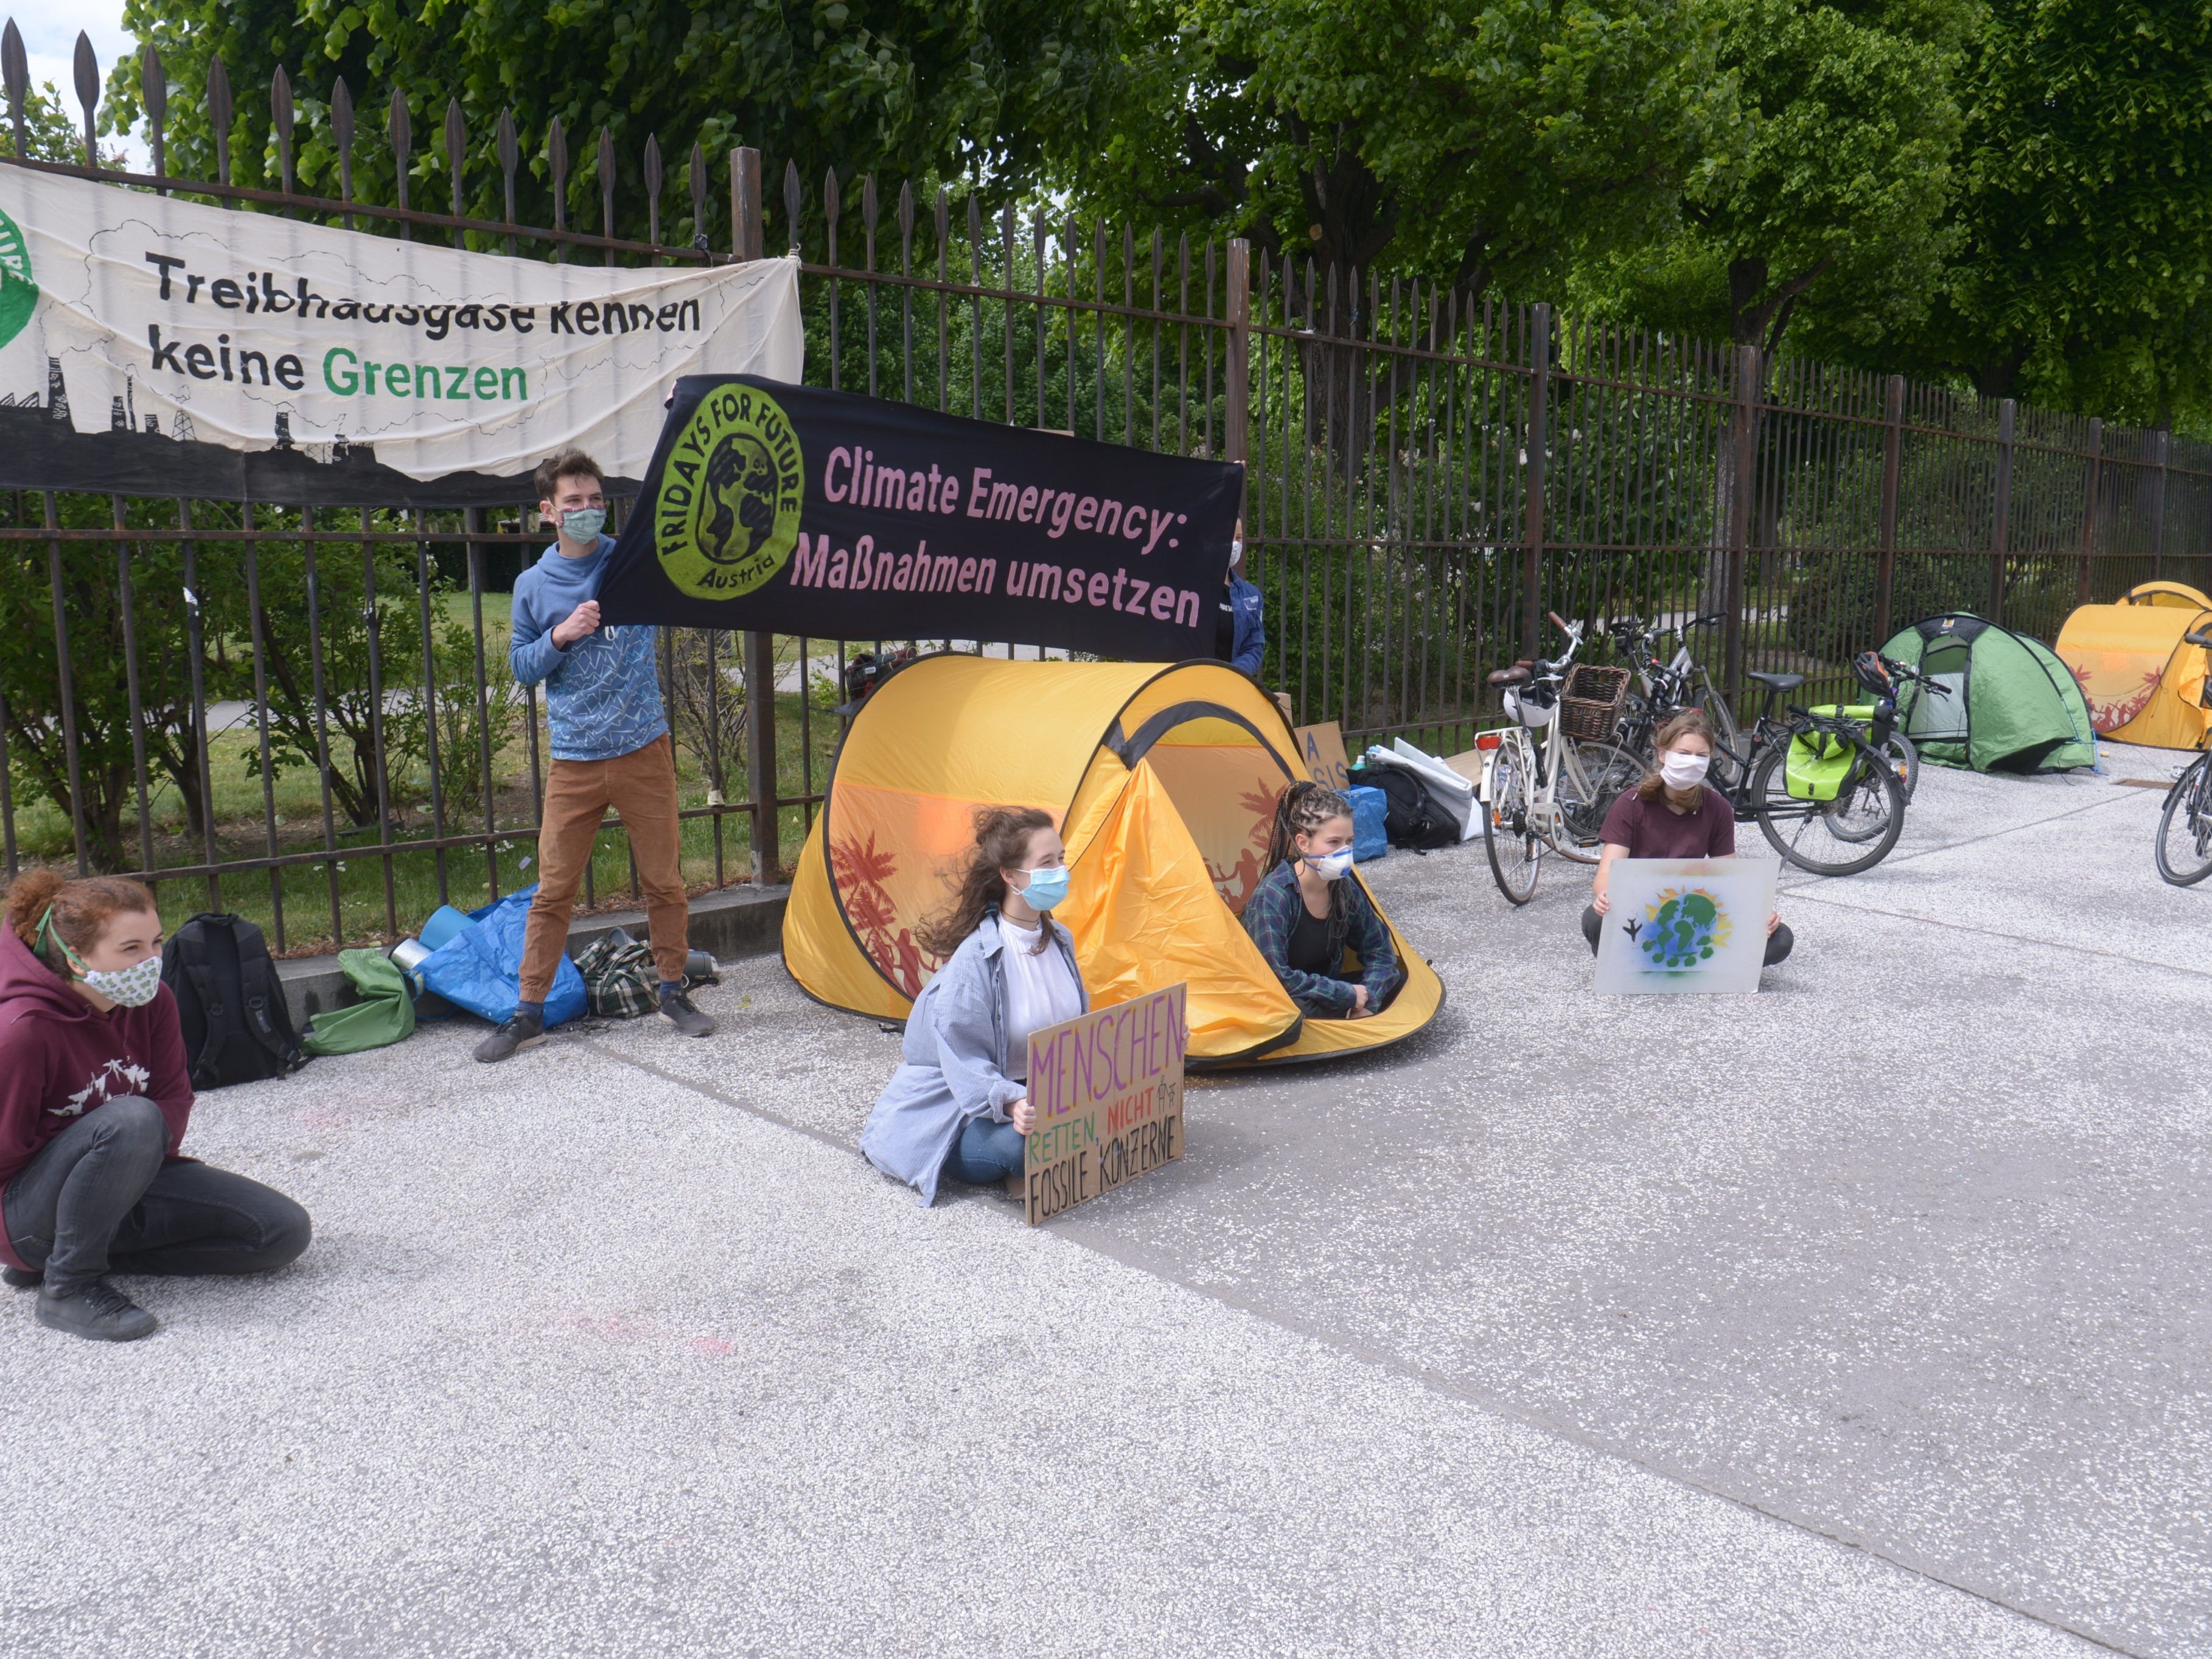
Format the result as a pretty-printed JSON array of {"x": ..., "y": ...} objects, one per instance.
[
  {"x": 1272, "y": 913},
  {"x": 620, "y": 980}
]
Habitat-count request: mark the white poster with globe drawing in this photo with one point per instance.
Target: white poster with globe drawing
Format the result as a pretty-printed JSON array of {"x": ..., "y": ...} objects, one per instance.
[
  {"x": 1679, "y": 925},
  {"x": 154, "y": 345}
]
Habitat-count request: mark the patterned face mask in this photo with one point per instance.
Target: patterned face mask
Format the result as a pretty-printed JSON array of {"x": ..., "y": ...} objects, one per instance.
[{"x": 127, "y": 988}]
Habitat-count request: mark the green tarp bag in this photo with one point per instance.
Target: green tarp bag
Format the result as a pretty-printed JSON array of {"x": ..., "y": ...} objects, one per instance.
[
  {"x": 385, "y": 1013},
  {"x": 1818, "y": 761}
]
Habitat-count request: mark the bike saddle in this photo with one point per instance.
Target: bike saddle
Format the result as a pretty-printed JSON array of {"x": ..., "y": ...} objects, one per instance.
[
  {"x": 1778, "y": 682},
  {"x": 1517, "y": 675}
]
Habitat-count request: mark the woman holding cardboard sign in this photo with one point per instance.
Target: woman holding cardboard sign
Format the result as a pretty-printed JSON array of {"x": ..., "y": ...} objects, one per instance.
[
  {"x": 958, "y": 1103},
  {"x": 1306, "y": 911},
  {"x": 1673, "y": 814}
]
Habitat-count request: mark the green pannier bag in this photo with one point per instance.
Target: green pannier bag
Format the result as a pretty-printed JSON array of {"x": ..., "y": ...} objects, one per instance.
[
  {"x": 385, "y": 1012},
  {"x": 1819, "y": 761}
]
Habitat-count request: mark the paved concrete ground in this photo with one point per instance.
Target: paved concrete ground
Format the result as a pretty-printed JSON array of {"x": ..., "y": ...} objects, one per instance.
[{"x": 1869, "y": 1316}]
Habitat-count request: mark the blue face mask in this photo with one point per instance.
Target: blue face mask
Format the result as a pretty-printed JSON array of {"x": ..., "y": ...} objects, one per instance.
[
  {"x": 1046, "y": 887},
  {"x": 583, "y": 524}
]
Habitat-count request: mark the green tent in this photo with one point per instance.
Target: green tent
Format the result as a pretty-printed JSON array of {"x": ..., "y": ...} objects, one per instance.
[{"x": 2014, "y": 707}]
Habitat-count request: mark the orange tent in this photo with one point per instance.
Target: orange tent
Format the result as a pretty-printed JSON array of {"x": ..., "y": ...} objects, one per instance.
[
  {"x": 1163, "y": 781},
  {"x": 2143, "y": 683}
]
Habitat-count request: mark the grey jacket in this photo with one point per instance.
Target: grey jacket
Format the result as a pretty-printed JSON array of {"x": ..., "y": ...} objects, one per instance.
[{"x": 953, "y": 1063}]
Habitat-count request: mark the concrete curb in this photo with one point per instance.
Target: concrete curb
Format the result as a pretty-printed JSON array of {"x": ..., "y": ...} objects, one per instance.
[{"x": 737, "y": 922}]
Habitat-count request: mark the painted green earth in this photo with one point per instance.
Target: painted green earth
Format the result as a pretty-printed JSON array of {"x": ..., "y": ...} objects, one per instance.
[
  {"x": 18, "y": 292},
  {"x": 1684, "y": 932}
]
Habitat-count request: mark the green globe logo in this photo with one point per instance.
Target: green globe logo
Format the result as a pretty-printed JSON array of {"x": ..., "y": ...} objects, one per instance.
[
  {"x": 1682, "y": 931},
  {"x": 19, "y": 293},
  {"x": 726, "y": 513}
]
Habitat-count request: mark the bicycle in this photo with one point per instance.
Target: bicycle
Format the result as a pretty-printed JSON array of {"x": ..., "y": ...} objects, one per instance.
[
  {"x": 1667, "y": 686},
  {"x": 1553, "y": 797},
  {"x": 2184, "y": 847},
  {"x": 1881, "y": 675},
  {"x": 1867, "y": 806}
]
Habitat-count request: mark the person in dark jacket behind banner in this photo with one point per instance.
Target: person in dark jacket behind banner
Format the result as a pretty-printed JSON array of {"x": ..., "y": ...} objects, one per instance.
[
  {"x": 1241, "y": 635},
  {"x": 94, "y": 1102}
]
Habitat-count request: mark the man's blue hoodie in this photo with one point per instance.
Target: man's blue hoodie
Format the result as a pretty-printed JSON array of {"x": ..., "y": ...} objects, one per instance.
[{"x": 602, "y": 695}]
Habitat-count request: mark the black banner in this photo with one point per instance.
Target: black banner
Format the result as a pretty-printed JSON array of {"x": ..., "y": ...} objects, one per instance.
[
  {"x": 39, "y": 451},
  {"x": 799, "y": 511}
]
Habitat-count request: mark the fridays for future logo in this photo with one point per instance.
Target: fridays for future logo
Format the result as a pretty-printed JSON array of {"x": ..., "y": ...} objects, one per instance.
[
  {"x": 725, "y": 516},
  {"x": 19, "y": 293}
]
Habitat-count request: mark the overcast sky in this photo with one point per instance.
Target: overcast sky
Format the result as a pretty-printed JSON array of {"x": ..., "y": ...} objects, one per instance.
[{"x": 49, "y": 29}]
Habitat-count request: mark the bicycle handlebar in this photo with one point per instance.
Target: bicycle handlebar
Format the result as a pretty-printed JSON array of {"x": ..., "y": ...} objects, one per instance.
[
  {"x": 2198, "y": 636},
  {"x": 1907, "y": 672},
  {"x": 1560, "y": 622}
]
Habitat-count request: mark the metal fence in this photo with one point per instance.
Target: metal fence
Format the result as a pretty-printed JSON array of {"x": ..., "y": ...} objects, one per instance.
[{"x": 304, "y": 715}]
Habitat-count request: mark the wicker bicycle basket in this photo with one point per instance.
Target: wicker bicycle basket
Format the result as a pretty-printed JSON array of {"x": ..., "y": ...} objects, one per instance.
[{"x": 1591, "y": 700}]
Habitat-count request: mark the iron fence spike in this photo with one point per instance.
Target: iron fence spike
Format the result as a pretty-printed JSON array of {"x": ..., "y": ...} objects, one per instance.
[
  {"x": 87, "y": 95},
  {"x": 219, "y": 112}
]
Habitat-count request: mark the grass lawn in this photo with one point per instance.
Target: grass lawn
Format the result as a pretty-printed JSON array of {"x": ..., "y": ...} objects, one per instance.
[{"x": 351, "y": 881}]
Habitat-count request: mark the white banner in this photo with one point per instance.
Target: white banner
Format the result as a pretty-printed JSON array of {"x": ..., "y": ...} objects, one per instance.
[{"x": 164, "y": 329}]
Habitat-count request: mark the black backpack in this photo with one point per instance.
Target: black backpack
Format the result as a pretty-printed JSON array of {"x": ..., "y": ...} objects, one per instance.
[
  {"x": 230, "y": 1002},
  {"x": 1411, "y": 816}
]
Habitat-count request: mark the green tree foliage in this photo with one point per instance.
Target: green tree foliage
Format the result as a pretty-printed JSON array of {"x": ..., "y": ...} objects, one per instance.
[
  {"x": 49, "y": 133},
  {"x": 1478, "y": 143},
  {"x": 2084, "y": 212},
  {"x": 1833, "y": 206},
  {"x": 921, "y": 88}
]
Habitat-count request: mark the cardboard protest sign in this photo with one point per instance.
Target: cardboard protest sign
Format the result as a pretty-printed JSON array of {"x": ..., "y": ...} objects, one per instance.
[
  {"x": 841, "y": 516},
  {"x": 153, "y": 345},
  {"x": 1320, "y": 752},
  {"x": 1685, "y": 925},
  {"x": 1107, "y": 1089}
]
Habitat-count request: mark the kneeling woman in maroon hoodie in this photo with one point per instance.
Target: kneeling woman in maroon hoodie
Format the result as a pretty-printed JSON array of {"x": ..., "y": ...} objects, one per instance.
[{"x": 93, "y": 1100}]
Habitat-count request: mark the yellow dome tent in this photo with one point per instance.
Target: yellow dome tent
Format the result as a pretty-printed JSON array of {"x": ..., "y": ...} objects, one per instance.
[
  {"x": 2143, "y": 683},
  {"x": 1163, "y": 781}
]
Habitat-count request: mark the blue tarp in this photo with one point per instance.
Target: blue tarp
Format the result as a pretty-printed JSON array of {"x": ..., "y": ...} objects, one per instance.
[
  {"x": 1367, "y": 805},
  {"x": 480, "y": 968}
]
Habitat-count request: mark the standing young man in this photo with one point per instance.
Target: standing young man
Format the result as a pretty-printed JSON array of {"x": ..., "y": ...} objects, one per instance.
[{"x": 611, "y": 748}]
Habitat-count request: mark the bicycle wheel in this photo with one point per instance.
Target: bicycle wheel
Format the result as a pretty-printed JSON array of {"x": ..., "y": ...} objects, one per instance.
[
  {"x": 1728, "y": 740},
  {"x": 1634, "y": 731},
  {"x": 1904, "y": 754},
  {"x": 1839, "y": 837},
  {"x": 1508, "y": 835},
  {"x": 1592, "y": 776},
  {"x": 2184, "y": 830}
]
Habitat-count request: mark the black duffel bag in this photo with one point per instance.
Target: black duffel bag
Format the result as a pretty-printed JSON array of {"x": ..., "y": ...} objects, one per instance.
[{"x": 1412, "y": 818}]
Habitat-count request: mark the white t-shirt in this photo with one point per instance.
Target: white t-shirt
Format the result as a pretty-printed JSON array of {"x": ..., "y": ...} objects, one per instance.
[{"x": 1041, "y": 991}]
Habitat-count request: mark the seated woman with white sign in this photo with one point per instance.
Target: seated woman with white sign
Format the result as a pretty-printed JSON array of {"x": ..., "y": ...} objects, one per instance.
[
  {"x": 1673, "y": 814},
  {"x": 1307, "y": 912},
  {"x": 958, "y": 1103}
]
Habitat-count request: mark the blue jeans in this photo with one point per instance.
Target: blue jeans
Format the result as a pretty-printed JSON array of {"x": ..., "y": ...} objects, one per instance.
[
  {"x": 97, "y": 1199},
  {"x": 986, "y": 1153}
]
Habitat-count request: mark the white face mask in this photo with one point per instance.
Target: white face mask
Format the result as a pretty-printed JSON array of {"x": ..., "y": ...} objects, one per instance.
[
  {"x": 1235, "y": 556},
  {"x": 1683, "y": 771},
  {"x": 1332, "y": 866},
  {"x": 127, "y": 988}
]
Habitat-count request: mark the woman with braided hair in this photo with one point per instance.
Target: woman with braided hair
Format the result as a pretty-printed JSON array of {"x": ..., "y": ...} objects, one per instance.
[
  {"x": 1307, "y": 912},
  {"x": 958, "y": 1103}
]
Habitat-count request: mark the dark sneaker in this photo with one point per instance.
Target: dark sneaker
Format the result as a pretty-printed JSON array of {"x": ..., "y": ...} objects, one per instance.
[
  {"x": 522, "y": 1031},
  {"x": 98, "y": 1312},
  {"x": 677, "y": 1008},
  {"x": 18, "y": 1278}
]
